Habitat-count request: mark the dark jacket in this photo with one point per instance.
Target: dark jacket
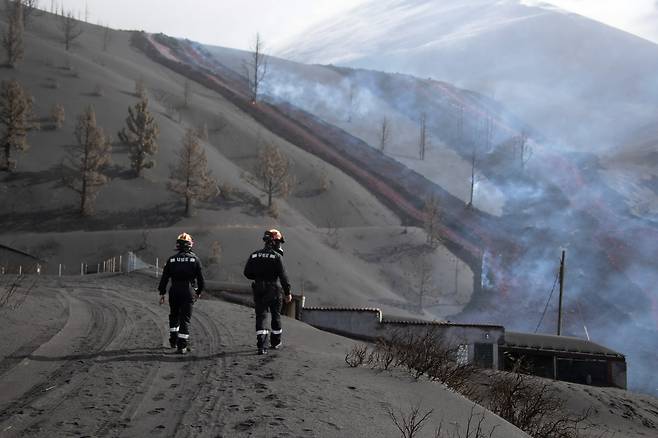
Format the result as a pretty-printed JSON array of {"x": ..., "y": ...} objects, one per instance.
[
  {"x": 267, "y": 265},
  {"x": 182, "y": 268}
]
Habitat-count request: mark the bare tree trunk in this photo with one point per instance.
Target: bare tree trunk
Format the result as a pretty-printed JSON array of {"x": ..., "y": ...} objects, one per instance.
[
  {"x": 7, "y": 162},
  {"x": 384, "y": 134},
  {"x": 422, "y": 141},
  {"x": 256, "y": 67},
  {"x": 188, "y": 206},
  {"x": 269, "y": 193},
  {"x": 470, "y": 201}
]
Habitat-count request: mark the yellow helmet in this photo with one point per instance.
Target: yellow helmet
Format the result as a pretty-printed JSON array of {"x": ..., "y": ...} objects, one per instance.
[{"x": 184, "y": 240}]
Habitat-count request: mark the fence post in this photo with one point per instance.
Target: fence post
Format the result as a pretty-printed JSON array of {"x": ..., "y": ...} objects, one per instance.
[
  {"x": 157, "y": 271},
  {"x": 60, "y": 269},
  {"x": 120, "y": 263}
]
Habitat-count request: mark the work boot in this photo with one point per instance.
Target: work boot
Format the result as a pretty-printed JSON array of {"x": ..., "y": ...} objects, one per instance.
[
  {"x": 173, "y": 339},
  {"x": 261, "y": 344},
  {"x": 275, "y": 341},
  {"x": 182, "y": 346}
]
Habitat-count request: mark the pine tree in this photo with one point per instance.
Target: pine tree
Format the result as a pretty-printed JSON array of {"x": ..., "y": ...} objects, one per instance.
[
  {"x": 273, "y": 173},
  {"x": 190, "y": 177},
  {"x": 15, "y": 114},
  {"x": 140, "y": 136},
  {"x": 87, "y": 161},
  {"x": 58, "y": 115},
  {"x": 12, "y": 39}
]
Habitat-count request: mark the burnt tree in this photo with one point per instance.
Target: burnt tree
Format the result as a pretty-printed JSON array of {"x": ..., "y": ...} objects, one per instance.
[
  {"x": 70, "y": 28},
  {"x": 12, "y": 38},
  {"x": 256, "y": 67},
  {"x": 273, "y": 173},
  {"x": 140, "y": 134},
  {"x": 190, "y": 176},
  {"x": 15, "y": 115},
  {"x": 87, "y": 160}
]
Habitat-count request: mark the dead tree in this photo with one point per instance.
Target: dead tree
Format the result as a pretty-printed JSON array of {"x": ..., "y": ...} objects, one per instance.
[
  {"x": 384, "y": 134},
  {"x": 423, "y": 283},
  {"x": 15, "y": 116},
  {"x": 70, "y": 28},
  {"x": 524, "y": 150},
  {"x": 432, "y": 218},
  {"x": 140, "y": 134},
  {"x": 351, "y": 103},
  {"x": 484, "y": 141},
  {"x": 215, "y": 253},
  {"x": 87, "y": 160},
  {"x": 256, "y": 67},
  {"x": 140, "y": 88},
  {"x": 107, "y": 38},
  {"x": 473, "y": 161},
  {"x": 187, "y": 94},
  {"x": 12, "y": 39},
  {"x": 190, "y": 176},
  {"x": 422, "y": 136},
  {"x": 29, "y": 8},
  {"x": 272, "y": 172},
  {"x": 58, "y": 115}
]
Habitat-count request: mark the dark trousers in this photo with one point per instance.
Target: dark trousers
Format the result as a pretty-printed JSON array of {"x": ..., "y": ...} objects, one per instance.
[
  {"x": 269, "y": 301},
  {"x": 180, "y": 313}
]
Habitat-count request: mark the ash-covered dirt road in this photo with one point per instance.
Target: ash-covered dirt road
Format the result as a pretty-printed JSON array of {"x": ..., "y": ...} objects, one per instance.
[{"x": 86, "y": 356}]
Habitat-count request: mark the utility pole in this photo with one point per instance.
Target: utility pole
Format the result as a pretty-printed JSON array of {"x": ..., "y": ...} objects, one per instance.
[{"x": 559, "y": 310}]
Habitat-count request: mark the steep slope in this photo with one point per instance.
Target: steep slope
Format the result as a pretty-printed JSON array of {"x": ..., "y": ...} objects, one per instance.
[
  {"x": 578, "y": 81},
  {"x": 40, "y": 214}
]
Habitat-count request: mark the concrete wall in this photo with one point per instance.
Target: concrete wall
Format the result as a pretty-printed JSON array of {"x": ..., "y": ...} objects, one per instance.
[{"x": 359, "y": 323}]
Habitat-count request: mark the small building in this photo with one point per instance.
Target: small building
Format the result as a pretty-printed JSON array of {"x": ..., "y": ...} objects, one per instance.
[
  {"x": 563, "y": 358},
  {"x": 475, "y": 343},
  {"x": 483, "y": 345}
]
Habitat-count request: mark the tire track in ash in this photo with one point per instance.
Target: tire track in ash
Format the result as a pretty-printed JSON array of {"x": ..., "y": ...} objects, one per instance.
[
  {"x": 180, "y": 385},
  {"x": 18, "y": 355},
  {"x": 87, "y": 332},
  {"x": 121, "y": 368},
  {"x": 122, "y": 371},
  {"x": 168, "y": 405},
  {"x": 236, "y": 388},
  {"x": 204, "y": 416}
]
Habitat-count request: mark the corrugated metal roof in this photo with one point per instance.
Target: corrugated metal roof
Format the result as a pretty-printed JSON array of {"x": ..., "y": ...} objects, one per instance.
[
  {"x": 532, "y": 341},
  {"x": 415, "y": 321},
  {"x": 346, "y": 309}
]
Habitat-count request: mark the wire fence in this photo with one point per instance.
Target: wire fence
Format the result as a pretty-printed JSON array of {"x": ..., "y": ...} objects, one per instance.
[{"x": 122, "y": 263}]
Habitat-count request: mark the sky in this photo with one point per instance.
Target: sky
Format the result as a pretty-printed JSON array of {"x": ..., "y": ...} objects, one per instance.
[{"x": 233, "y": 23}]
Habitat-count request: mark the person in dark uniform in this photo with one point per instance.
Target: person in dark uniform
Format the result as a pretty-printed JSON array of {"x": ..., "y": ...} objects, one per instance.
[
  {"x": 183, "y": 268},
  {"x": 265, "y": 267}
]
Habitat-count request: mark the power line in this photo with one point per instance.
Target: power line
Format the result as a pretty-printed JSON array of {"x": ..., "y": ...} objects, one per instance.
[{"x": 557, "y": 276}]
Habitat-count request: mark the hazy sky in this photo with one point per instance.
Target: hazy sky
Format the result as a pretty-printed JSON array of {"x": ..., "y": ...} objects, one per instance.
[{"x": 232, "y": 23}]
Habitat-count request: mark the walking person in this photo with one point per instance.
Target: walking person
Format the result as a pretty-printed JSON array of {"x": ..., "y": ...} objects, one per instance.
[
  {"x": 265, "y": 268},
  {"x": 183, "y": 268}
]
